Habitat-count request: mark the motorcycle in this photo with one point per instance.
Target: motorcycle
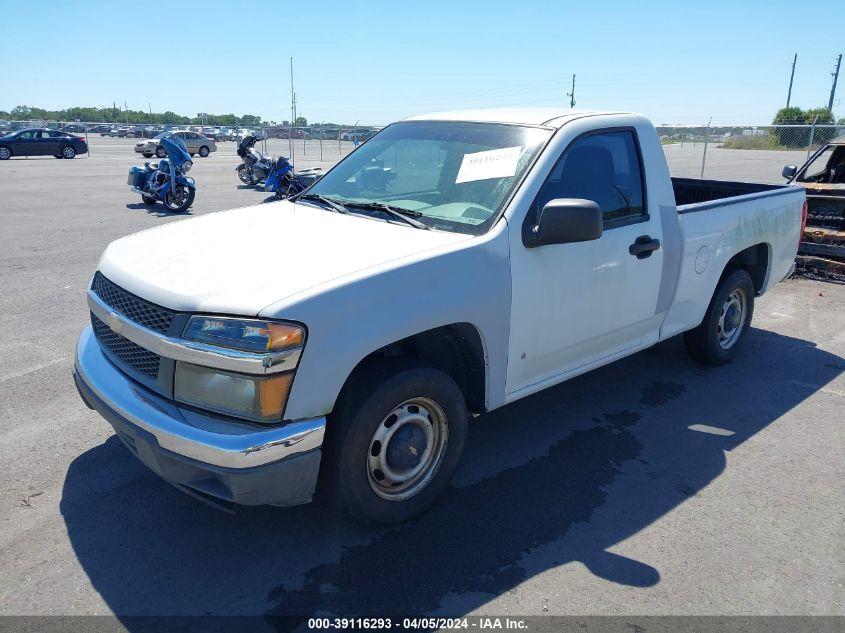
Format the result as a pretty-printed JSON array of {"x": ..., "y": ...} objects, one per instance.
[
  {"x": 284, "y": 182},
  {"x": 165, "y": 181},
  {"x": 255, "y": 167}
]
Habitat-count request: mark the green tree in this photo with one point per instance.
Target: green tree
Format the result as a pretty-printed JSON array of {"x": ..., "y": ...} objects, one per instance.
[
  {"x": 301, "y": 121},
  {"x": 250, "y": 120}
]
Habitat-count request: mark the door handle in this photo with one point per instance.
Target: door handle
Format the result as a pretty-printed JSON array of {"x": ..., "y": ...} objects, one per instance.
[{"x": 643, "y": 246}]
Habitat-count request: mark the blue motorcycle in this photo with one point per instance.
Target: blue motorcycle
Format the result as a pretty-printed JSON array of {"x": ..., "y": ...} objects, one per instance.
[
  {"x": 284, "y": 182},
  {"x": 165, "y": 181}
]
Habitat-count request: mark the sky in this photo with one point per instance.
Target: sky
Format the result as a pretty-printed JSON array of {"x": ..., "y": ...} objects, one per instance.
[{"x": 378, "y": 61}]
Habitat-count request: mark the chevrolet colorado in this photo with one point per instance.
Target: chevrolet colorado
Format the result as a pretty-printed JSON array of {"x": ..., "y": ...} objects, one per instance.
[{"x": 453, "y": 263}]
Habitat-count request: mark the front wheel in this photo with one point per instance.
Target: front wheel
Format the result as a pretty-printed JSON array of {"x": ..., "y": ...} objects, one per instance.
[
  {"x": 287, "y": 187},
  {"x": 179, "y": 198},
  {"x": 717, "y": 340},
  {"x": 147, "y": 155},
  {"x": 5, "y": 153},
  {"x": 148, "y": 199},
  {"x": 394, "y": 441},
  {"x": 204, "y": 152},
  {"x": 160, "y": 152},
  {"x": 245, "y": 175}
]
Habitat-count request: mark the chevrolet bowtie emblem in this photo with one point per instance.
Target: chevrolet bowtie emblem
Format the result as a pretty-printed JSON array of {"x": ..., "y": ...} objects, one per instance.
[{"x": 114, "y": 322}]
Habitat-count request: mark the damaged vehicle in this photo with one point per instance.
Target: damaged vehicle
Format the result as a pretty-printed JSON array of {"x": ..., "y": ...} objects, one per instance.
[
  {"x": 342, "y": 340},
  {"x": 823, "y": 177}
]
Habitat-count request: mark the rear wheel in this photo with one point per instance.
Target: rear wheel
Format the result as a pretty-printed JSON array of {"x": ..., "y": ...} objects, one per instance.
[
  {"x": 394, "y": 441},
  {"x": 717, "y": 340},
  {"x": 147, "y": 155},
  {"x": 148, "y": 199},
  {"x": 68, "y": 152},
  {"x": 179, "y": 198},
  {"x": 204, "y": 151},
  {"x": 160, "y": 152}
]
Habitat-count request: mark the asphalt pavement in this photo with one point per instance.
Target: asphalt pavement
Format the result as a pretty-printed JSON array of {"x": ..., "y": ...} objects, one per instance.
[{"x": 652, "y": 486}]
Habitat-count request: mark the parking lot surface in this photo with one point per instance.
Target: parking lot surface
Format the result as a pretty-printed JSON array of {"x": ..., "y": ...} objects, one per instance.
[{"x": 651, "y": 486}]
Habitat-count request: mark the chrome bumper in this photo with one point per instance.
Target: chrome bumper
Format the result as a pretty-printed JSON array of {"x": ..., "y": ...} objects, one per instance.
[{"x": 183, "y": 432}]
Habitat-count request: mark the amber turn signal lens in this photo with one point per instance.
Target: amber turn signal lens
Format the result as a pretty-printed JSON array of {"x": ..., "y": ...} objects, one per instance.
[
  {"x": 284, "y": 336},
  {"x": 273, "y": 394}
]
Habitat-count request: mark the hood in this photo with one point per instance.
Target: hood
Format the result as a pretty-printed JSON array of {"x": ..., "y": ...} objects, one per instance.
[{"x": 240, "y": 261}]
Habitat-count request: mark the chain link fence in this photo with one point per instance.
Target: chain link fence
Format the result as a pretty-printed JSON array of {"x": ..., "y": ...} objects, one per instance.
[
  {"x": 736, "y": 152},
  {"x": 748, "y": 153}
]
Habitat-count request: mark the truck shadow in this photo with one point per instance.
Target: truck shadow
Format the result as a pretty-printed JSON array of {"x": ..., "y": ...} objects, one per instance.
[{"x": 559, "y": 477}]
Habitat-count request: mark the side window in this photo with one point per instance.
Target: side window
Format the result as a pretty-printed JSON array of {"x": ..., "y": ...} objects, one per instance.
[
  {"x": 25, "y": 136},
  {"x": 604, "y": 168},
  {"x": 191, "y": 135}
]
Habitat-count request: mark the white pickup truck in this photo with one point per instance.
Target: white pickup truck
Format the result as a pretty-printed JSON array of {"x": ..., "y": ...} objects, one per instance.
[{"x": 452, "y": 264}]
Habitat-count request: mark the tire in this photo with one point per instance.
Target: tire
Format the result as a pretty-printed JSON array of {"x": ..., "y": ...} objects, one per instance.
[
  {"x": 68, "y": 152},
  {"x": 718, "y": 339},
  {"x": 381, "y": 474},
  {"x": 204, "y": 152},
  {"x": 160, "y": 152},
  {"x": 5, "y": 152},
  {"x": 147, "y": 155},
  {"x": 193, "y": 154},
  {"x": 148, "y": 200},
  {"x": 245, "y": 176},
  {"x": 287, "y": 187},
  {"x": 182, "y": 202}
]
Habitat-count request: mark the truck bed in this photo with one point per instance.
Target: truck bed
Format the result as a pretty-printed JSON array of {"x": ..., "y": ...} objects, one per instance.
[{"x": 693, "y": 194}]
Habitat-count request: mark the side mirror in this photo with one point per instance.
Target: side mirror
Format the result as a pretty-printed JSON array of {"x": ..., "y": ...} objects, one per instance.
[
  {"x": 789, "y": 172},
  {"x": 565, "y": 220}
]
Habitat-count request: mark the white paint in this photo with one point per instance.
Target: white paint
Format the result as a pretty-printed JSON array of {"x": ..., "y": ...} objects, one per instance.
[
  {"x": 495, "y": 163},
  {"x": 712, "y": 430},
  {"x": 35, "y": 368},
  {"x": 806, "y": 385}
]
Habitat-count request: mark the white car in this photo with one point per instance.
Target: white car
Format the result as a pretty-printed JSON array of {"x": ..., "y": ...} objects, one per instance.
[{"x": 351, "y": 332}]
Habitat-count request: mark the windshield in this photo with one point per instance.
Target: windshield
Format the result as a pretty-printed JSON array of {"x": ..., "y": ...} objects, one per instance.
[
  {"x": 456, "y": 175},
  {"x": 816, "y": 170}
]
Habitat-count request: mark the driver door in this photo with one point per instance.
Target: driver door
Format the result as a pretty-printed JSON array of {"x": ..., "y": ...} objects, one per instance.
[{"x": 578, "y": 305}]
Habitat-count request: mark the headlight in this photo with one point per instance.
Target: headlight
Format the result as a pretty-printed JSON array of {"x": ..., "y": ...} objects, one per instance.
[
  {"x": 258, "y": 398},
  {"x": 249, "y": 335},
  {"x": 186, "y": 166}
]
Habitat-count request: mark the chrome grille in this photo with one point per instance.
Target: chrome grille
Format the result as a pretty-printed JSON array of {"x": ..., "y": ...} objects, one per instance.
[
  {"x": 141, "y": 360},
  {"x": 147, "y": 314}
]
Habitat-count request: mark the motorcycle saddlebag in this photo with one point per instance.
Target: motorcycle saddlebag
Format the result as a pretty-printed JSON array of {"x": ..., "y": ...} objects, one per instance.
[{"x": 137, "y": 176}]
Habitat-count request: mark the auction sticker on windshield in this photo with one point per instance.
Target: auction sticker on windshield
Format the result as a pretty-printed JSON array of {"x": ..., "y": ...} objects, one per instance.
[{"x": 494, "y": 163}]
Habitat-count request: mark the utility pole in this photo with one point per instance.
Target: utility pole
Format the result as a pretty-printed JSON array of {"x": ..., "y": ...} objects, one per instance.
[
  {"x": 835, "y": 75},
  {"x": 292, "y": 96},
  {"x": 571, "y": 95},
  {"x": 791, "y": 77}
]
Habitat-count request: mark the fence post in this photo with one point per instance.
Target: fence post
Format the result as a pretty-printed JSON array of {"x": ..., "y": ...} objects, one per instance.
[
  {"x": 812, "y": 135},
  {"x": 706, "y": 140}
]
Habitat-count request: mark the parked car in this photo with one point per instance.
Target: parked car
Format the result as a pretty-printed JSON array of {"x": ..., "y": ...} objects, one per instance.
[
  {"x": 196, "y": 143},
  {"x": 41, "y": 142},
  {"x": 533, "y": 246}
]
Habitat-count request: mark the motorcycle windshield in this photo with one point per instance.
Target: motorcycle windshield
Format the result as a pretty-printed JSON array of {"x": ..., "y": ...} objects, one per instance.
[{"x": 176, "y": 149}]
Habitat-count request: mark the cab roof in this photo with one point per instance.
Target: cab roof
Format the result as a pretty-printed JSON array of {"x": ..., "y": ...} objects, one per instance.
[{"x": 548, "y": 117}]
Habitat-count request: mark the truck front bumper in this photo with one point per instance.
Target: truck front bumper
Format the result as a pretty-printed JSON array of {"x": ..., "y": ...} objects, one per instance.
[{"x": 210, "y": 457}]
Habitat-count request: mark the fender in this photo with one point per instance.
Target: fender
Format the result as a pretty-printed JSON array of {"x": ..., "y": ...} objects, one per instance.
[{"x": 180, "y": 180}]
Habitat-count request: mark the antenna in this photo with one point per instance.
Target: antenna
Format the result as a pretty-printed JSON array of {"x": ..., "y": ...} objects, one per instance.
[{"x": 571, "y": 95}]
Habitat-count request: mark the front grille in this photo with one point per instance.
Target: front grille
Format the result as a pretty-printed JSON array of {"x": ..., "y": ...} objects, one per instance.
[
  {"x": 141, "y": 360},
  {"x": 147, "y": 314}
]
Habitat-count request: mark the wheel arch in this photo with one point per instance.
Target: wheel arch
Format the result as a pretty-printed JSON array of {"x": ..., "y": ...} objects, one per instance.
[
  {"x": 756, "y": 261},
  {"x": 456, "y": 349}
]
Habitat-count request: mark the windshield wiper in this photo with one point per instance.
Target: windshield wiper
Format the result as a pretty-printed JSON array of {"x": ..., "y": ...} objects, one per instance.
[
  {"x": 406, "y": 215},
  {"x": 330, "y": 202}
]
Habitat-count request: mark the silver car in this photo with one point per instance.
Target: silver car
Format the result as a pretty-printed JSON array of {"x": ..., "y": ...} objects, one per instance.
[{"x": 196, "y": 143}]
